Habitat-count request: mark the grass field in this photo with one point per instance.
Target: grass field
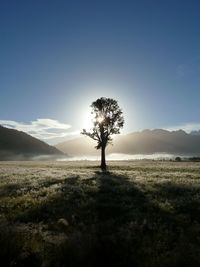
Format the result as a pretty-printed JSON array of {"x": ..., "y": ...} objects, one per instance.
[{"x": 138, "y": 213}]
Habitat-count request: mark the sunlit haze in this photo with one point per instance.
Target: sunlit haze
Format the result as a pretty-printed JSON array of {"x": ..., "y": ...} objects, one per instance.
[{"x": 86, "y": 121}]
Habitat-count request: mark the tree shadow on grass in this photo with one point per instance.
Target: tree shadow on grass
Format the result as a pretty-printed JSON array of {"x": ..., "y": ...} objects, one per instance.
[
  {"x": 184, "y": 200},
  {"x": 112, "y": 221}
]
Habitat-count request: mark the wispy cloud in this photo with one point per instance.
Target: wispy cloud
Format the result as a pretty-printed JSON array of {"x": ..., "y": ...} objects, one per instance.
[
  {"x": 44, "y": 129},
  {"x": 187, "y": 127}
]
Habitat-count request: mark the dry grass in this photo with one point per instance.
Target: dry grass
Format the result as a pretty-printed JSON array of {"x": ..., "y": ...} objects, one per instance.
[{"x": 139, "y": 213}]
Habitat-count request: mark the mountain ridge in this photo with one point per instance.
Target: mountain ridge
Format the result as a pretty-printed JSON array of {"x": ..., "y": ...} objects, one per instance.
[
  {"x": 17, "y": 145},
  {"x": 144, "y": 142}
]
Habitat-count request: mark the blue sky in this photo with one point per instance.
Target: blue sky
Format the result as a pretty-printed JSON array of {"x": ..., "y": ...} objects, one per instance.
[{"x": 56, "y": 57}]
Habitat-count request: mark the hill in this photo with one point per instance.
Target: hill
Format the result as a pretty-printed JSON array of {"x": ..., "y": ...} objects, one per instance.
[
  {"x": 17, "y": 145},
  {"x": 145, "y": 142}
]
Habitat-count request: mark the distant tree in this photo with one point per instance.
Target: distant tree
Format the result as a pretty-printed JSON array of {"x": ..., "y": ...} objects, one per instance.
[
  {"x": 108, "y": 120},
  {"x": 178, "y": 159}
]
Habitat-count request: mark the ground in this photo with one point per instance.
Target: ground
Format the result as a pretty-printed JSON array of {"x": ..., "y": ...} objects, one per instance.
[{"x": 138, "y": 213}]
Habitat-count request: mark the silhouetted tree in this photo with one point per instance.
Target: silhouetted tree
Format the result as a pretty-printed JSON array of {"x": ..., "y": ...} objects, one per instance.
[{"x": 108, "y": 120}]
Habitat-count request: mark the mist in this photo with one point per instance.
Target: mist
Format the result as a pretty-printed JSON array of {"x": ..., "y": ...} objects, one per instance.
[{"x": 123, "y": 157}]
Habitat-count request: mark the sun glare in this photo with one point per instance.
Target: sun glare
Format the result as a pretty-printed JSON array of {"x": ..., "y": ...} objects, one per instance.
[
  {"x": 100, "y": 119},
  {"x": 87, "y": 121}
]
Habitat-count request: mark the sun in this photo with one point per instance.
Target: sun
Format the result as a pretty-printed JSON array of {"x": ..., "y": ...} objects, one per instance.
[
  {"x": 88, "y": 119},
  {"x": 100, "y": 119}
]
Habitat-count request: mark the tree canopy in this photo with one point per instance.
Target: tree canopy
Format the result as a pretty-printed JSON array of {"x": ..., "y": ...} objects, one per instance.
[{"x": 108, "y": 120}]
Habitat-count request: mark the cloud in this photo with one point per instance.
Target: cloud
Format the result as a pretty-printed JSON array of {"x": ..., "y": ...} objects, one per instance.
[
  {"x": 41, "y": 128},
  {"x": 187, "y": 127}
]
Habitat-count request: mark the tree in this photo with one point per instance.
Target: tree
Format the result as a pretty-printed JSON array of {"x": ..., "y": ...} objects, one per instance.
[{"x": 108, "y": 120}]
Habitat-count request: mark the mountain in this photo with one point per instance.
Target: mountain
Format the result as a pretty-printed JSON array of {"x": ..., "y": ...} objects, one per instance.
[
  {"x": 195, "y": 132},
  {"x": 80, "y": 146},
  {"x": 17, "y": 145},
  {"x": 145, "y": 142}
]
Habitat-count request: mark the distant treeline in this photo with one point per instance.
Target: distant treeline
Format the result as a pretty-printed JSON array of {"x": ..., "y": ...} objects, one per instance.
[{"x": 196, "y": 159}]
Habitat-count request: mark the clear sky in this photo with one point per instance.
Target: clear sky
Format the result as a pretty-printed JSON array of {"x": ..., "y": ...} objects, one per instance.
[{"x": 56, "y": 57}]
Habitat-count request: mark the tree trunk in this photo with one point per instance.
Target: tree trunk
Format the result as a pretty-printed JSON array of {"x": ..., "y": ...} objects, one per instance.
[{"x": 103, "y": 159}]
